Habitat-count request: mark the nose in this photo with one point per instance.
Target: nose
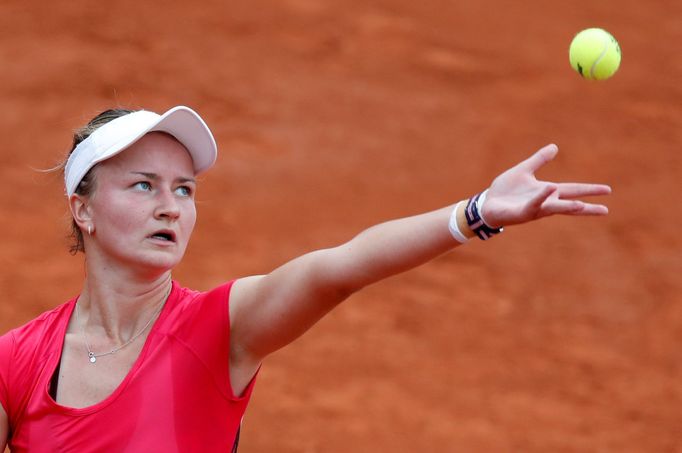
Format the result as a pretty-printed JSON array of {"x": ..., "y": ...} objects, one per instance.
[{"x": 167, "y": 207}]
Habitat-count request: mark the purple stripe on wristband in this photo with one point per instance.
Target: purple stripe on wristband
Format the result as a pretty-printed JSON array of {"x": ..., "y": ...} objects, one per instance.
[{"x": 476, "y": 223}]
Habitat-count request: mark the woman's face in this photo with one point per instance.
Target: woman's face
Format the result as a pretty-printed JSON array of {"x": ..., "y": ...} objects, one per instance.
[{"x": 142, "y": 208}]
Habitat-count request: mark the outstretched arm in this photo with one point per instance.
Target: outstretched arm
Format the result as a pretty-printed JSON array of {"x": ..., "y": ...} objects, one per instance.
[{"x": 270, "y": 311}]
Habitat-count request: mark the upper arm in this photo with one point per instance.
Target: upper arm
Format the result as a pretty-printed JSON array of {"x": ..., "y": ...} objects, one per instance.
[
  {"x": 267, "y": 312},
  {"x": 4, "y": 428}
]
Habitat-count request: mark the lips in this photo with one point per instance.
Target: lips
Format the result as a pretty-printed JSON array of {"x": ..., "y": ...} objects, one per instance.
[{"x": 164, "y": 235}]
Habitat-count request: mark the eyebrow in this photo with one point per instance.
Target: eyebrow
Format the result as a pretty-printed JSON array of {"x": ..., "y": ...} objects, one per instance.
[{"x": 154, "y": 176}]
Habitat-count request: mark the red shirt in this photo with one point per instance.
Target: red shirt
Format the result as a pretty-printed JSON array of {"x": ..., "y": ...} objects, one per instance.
[{"x": 176, "y": 397}]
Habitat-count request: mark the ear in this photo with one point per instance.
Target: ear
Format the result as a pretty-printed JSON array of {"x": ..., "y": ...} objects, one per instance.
[{"x": 81, "y": 211}]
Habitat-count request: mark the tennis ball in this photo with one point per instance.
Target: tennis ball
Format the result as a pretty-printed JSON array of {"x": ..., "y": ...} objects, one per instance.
[{"x": 595, "y": 54}]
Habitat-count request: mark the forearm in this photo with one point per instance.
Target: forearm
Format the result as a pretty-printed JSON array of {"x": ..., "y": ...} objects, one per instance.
[
  {"x": 396, "y": 246},
  {"x": 326, "y": 277}
]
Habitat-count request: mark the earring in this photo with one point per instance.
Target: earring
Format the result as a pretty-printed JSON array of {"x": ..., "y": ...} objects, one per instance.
[{"x": 89, "y": 230}]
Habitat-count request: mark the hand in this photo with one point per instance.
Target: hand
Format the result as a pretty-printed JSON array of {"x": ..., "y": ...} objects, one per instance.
[{"x": 516, "y": 196}]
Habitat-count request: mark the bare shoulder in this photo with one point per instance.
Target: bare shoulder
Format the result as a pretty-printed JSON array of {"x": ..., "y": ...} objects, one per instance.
[
  {"x": 243, "y": 293},
  {"x": 243, "y": 364}
]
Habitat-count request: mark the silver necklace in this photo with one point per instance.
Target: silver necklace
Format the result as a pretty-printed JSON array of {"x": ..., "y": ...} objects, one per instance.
[{"x": 93, "y": 356}]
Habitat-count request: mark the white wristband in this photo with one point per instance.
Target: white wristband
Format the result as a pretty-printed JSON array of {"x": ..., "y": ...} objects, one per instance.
[{"x": 454, "y": 227}]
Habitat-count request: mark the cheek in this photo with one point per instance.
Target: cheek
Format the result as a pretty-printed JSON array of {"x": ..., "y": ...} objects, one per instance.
[
  {"x": 189, "y": 218},
  {"x": 124, "y": 224},
  {"x": 122, "y": 217}
]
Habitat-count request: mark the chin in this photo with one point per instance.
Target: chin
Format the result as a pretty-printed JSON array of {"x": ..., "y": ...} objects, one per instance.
[{"x": 155, "y": 262}]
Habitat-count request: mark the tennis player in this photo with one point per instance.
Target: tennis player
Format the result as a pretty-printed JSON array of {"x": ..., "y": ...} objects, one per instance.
[{"x": 136, "y": 362}]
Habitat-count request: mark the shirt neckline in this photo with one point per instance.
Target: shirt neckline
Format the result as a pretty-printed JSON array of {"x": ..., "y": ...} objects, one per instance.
[{"x": 56, "y": 355}]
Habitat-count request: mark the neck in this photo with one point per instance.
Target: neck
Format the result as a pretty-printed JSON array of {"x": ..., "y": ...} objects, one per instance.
[{"x": 117, "y": 306}]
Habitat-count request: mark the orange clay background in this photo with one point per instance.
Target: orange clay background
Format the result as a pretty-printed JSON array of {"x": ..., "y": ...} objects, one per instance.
[{"x": 331, "y": 116}]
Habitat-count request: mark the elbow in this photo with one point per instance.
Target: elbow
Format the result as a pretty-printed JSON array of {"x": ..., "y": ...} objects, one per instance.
[
  {"x": 332, "y": 293},
  {"x": 344, "y": 291},
  {"x": 335, "y": 274}
]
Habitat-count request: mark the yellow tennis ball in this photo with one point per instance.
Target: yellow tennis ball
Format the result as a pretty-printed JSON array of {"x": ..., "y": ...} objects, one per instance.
[{"x": 595, "y": 54}]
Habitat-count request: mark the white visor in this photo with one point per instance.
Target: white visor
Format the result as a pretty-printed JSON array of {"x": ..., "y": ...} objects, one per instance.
[{"x": 115, "y": 136}]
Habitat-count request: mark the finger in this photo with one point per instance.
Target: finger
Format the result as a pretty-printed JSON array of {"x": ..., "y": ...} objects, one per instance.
[
  {"x": 573, "y": 207},
  {"x": 538, "y": 199},
  {"x": 594, "y": 209},
  {"x": 589, "y": 209},
  {"x": 577, "y": 190},
  {"x": 540, "y": 158}
]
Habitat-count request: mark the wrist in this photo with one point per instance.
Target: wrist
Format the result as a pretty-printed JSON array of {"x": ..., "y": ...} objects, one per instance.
[
  {"x": 458, "y": 223},
  {"x": 482, "y": 211},
  {"x": 475, "y": 220}
]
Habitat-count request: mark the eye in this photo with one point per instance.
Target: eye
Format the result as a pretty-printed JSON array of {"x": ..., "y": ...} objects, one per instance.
[
  {"x": 184, "y": 191},
  {"x": 143, "y": 185}
]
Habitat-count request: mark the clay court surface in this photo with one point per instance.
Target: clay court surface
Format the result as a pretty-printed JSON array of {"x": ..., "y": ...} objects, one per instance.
[{"x": 561, "y": 336}]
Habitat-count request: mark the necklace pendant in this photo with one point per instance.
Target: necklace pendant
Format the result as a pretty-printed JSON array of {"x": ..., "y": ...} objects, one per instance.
[{"x": 93, "y": 359}]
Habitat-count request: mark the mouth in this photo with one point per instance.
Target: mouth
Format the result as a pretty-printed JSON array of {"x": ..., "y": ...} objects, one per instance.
[{"x": 164, "y": 235}]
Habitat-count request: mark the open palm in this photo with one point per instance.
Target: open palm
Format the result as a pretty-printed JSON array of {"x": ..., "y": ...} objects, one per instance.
[{"x": 517, "y": 196}]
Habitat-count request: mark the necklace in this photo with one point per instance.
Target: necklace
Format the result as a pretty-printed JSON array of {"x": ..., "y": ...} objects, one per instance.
[{"x": 93, "y": 356}]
